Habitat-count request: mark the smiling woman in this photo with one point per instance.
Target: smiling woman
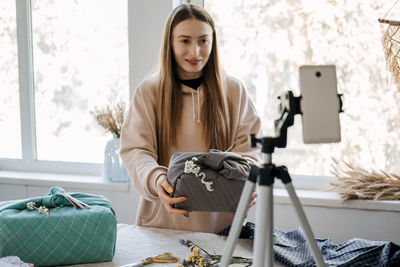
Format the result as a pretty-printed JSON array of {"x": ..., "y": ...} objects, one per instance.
[
  {"x": 192, "y": 42},
  {"x": 164, "y": 118}
]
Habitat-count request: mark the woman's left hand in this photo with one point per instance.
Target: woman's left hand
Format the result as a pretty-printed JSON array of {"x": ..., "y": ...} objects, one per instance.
[{"x": 163, "y": 190}]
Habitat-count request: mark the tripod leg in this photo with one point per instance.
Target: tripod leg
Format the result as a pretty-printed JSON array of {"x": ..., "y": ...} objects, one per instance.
[
  {"x": 263, "y": 238},
  {"x": 263, "y": 249},
  {"x": 305, "y": 225},
  {"x": 240, "y": 214}
]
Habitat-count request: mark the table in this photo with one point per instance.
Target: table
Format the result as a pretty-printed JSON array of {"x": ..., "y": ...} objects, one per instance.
[{"x": 135, "y": 243}]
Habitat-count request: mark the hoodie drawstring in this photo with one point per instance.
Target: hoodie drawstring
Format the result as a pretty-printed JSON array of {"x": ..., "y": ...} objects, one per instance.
[
  {"x": 194, "y": 115},
  {"x": 198, "y": 107}
]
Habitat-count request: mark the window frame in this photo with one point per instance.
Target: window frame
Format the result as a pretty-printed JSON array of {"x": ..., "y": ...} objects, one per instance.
[
  {"x": 142, "y": 58},
  {"x": 29, "y": 162}
]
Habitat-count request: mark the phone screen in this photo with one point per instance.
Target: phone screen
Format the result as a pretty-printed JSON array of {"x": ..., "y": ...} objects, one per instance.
[{"x": 319, "y": 104}]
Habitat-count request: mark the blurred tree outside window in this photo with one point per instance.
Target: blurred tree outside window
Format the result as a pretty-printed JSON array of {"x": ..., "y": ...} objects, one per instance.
[
  {"x": 264, "y": 42},
  {"x": 10, "y": 126},
  {"x": 80, "y": 60},
  {"x": 80, "y": 52}
]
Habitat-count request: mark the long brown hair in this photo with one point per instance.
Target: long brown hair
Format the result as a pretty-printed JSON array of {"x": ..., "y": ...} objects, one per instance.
[{"x": 215, "y": 119}]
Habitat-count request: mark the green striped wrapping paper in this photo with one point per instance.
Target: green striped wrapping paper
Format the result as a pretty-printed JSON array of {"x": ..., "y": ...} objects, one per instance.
[{"x": 65, "y": 236}]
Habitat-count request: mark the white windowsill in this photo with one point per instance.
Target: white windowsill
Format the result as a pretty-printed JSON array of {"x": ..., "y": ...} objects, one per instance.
[
  {"x": 62, "y": 180},
  {"x": 326, "y": 199},
  {"x": 311, "y": 190}
]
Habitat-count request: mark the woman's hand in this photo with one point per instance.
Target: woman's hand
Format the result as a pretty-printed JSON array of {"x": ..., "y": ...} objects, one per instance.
[
  {"x": 253, "y": 200},
  {"x": 163, "y": 190}
]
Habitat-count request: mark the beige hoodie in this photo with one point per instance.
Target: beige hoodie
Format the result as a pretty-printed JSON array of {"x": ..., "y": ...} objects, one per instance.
[{"x": 139, "y": 150}]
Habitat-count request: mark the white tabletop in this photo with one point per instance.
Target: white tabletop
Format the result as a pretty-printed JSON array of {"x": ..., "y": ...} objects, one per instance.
[{"x": 135, "y": 243}]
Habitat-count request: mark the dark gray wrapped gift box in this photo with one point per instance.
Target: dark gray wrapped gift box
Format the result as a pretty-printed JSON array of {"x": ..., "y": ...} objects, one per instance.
[{"x": 212, "y": 181}]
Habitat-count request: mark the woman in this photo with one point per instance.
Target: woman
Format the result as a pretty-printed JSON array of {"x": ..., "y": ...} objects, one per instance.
[{"x": 189, "y": 106}]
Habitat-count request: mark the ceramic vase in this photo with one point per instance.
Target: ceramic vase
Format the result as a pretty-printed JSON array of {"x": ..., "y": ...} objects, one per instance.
[{"x": 114, "y": 169}]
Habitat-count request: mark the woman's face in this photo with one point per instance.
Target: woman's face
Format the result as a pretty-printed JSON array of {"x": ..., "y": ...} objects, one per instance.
[{"x": 191, "y": 45}]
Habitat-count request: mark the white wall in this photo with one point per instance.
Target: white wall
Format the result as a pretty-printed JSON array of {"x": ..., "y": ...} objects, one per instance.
[{"x": 146, "y": 22}]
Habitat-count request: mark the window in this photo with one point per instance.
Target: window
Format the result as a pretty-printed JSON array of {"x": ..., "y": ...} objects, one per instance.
[
  {"x": 80, "y": 52},
  {"x": 10, "y": 126},
  {"x": 73, "y": 56},
  {"x": 264, "y": 42}
]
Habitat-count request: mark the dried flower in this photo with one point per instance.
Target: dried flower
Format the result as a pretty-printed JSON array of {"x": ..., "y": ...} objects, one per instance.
[
  {"x": 206, "y": 259},
  {"x": 31, "y": 206},
  {"x": 358, "y": 183},
  {"x": 111, "y": 117},
  {"x": 186, "y": 243},
  {"x": 41, "y": 209},
  {"x": 44, "y": 210},
  {"x": 390, "y": 41}
]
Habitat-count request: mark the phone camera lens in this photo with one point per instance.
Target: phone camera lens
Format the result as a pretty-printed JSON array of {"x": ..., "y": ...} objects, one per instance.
[{"x": 318, "y": 74}]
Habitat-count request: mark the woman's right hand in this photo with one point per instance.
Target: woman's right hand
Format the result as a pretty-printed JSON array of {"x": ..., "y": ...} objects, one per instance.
[{"x": 163, "y": 191}]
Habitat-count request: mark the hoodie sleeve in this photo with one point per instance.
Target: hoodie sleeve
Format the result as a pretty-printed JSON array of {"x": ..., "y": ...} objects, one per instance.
[
  {"x": 246, "y": 121},
  {"x": 139, "y": 144}
]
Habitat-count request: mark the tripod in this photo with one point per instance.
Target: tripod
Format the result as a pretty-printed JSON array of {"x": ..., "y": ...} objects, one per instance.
[{"x": 265, "y": 176}]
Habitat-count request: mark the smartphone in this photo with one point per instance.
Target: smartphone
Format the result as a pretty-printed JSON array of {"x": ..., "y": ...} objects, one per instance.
[{"x": 319, "y": 104}]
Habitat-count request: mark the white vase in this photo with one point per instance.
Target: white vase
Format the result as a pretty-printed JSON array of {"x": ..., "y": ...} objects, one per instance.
[{"x": 114, "y": 169}]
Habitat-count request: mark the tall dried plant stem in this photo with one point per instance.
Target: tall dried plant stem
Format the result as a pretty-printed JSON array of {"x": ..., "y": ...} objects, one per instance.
[{"x": 391, "y": 46}]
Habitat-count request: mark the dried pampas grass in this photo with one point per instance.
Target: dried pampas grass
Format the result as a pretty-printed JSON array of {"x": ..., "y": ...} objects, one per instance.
[
  {"x": 391, "y": 46},
  {"x": 111, "y": 117},
  {"x": 357, "y": 183}
]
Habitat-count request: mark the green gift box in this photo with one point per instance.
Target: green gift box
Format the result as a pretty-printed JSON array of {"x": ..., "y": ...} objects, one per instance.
[{"x": 79, "y": 228}]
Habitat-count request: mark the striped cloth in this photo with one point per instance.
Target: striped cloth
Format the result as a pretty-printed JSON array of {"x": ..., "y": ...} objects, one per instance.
[
  {"x": 292, "y": 250},
  {"x": 66, "y": 236}
]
